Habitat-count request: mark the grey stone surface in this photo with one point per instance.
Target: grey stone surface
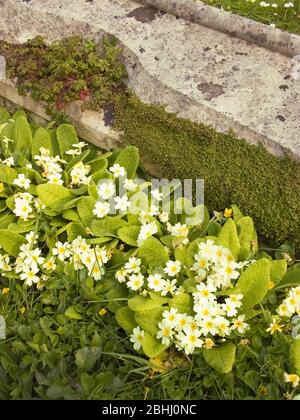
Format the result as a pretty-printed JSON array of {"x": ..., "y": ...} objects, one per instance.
[
  {"x": 233, "y": 25},
  {"x": 2, "y": 67},
  {"x": 198, "y": 72}
]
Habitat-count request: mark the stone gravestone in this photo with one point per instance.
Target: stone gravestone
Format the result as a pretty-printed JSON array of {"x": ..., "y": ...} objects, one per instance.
[{"x": 2, "y": 67}]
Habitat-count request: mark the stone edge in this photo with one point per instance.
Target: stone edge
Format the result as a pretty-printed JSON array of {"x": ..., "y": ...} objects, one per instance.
[
  {"x": 90, "y": 125},
  {"x": 234, "y": 25}
]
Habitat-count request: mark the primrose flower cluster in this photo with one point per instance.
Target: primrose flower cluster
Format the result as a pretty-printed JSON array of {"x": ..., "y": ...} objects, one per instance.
[
  {"x": 164, "y": 283},
  {"x": 26, "y": 205},
  {"x": 52, "y": 170},
  {"x": 215, "y": 270},
  {"x": 34, "y": 268},
  {"x": 291, "y": 305},
  {"x": 109, "y": 202}
]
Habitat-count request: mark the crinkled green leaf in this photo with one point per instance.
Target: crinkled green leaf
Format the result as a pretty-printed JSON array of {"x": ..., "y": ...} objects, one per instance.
[
  {"x": 85, "y": 209},
  {"x": 221, "y": 358},
  {"x": 141, "y": 304},
  {"x": 125, "y": 318},
  {"x": 254, "y": 283},
  {"x": 278, "y": 270},
  {"x": 292, "y": 277},
  {"x": 66, "y": 137},
  {"x": 11, "y": 242},
  {"x": 75, "y": 229},
  {"x": 148, "y": 320},
  {"x": 151, "y": 346},
  {"x": 153, "y": 253},
  {"x": 247, "y": 237},
  {"x": 54, "y": 196},
  {"x": 107, "y": 226},
  {"x": 129, "y": 159},
  {"x": 7, "y": 174},
  {"x": 229, "y": 239},
  {"x": 72, "y": 313},
  {"x": 86, "y": 357},
  {"x": 237, "y": 214},
  {"x": 183, "y": 303},
  {"x": 295, "y": 355},
  {"x": 41, "y": 138},
  {"x": 70, "y": 214},
  {"x": 22, "y": 136},
  {"x": 129, "y": 234}
]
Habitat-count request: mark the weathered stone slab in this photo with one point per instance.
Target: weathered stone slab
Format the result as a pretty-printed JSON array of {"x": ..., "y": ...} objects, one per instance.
[
  {"x": 231, "y": 24},
  {"x": 198, "y": 72}
]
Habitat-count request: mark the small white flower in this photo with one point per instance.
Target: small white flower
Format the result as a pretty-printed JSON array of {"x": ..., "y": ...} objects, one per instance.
[
  {"x": 135, "y": 281},
  {"x": 49, "y": 264},
  {"x": 239, "y": 324},
  {"x": 5, "y": 263},
  {"x": 62, "y": 250},
  {"x": 157, "y": 195},
  {"x": 101, "y": 209},
  {"x": 55, "y": 178},
  {"x": 73, "y": 152},
  {"x": 133, "y": 265},
  {"x": 165, "y": 333},
  {"x": 223, "y": 325},
  {"x": 137, "y": 338},
  {"x": 80, "y": 145},
  {"x": 146, "y": 231},
  {"x": 170, "y": 317},
  {"x": 122, "y": 203},
  {"x": 172, "y": 268},
  {"x": 164, "y": 217},
  {"x": 121, "y": 275},
  {"x": 9, "y": 161},
  {"x": 106, "y": 190},
  {"x": 189, "y": 340},
  {"x": 236, "y": 299},
  {"x": 208, "y": 326},
  {"x": 156, "y": 282},
  {"x": 130, "y": 185},
  {"x": 79, "y": 174},
  {"x": 29, "y": 275},
  {"x": 292, "y": 378},
  {"x": 230, "y": 308},
  {"x": 117, "y": 170},
  {"x": 31, "y": 238},
  {"x": 22, "y": 208},
  {"x": 22, "y": 182},
  {"x": 182, "y": 321},
  {"x": 169, "y": 287}
]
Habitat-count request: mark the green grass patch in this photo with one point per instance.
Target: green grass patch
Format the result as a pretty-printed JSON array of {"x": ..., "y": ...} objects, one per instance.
[{"x": 270, "y": 12}]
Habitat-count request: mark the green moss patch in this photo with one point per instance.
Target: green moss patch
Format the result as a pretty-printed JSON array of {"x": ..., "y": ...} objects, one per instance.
[{"x": 234, "y": 171}]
